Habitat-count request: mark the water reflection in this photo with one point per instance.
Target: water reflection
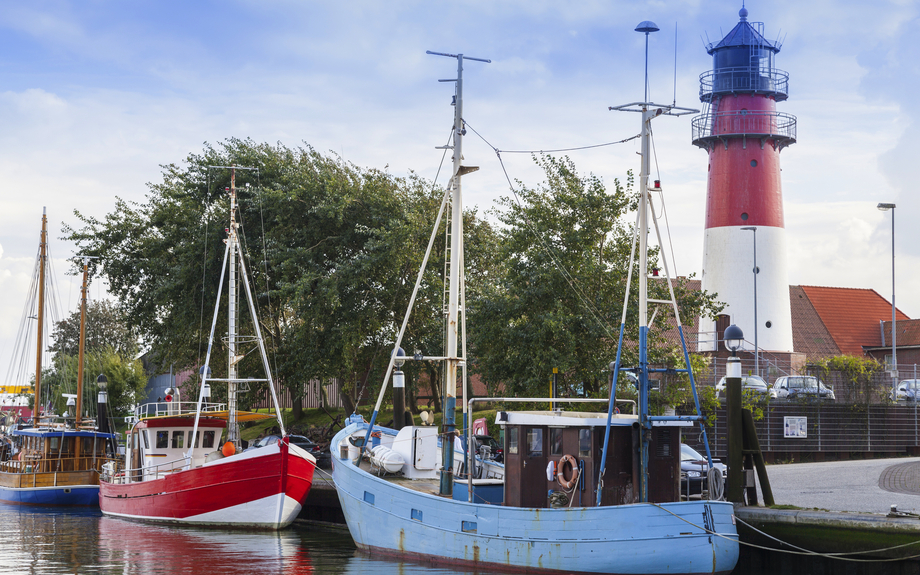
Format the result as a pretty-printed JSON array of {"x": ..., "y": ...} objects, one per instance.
[{"x": 48, "y": 540}]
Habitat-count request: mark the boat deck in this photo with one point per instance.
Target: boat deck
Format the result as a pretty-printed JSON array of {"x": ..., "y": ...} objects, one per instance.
[{"x": 429, "y": 486}]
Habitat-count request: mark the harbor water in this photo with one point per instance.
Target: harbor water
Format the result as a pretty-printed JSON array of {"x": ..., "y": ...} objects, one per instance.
[{"x": 46, "y": 540}]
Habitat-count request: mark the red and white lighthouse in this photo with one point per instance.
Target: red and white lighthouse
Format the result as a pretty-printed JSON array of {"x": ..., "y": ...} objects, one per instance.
[{"x": 744, "y": 134}]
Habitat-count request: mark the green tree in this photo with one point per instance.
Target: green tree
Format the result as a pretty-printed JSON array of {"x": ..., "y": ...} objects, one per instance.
[
  {"x": 332, "y": 253},
  {"x": 558, "y": 301},
  {"x": 106, "y": 328}
]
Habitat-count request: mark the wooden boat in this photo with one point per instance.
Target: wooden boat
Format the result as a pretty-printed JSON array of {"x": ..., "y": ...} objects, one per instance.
[
  {"x": 578, "y": 492},
  {"x": 177, "y": 468},
  {"x": 55, "y": 460}
]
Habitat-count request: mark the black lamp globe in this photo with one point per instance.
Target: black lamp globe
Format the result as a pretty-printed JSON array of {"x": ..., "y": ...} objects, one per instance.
[{"x": 733, "y": 338}]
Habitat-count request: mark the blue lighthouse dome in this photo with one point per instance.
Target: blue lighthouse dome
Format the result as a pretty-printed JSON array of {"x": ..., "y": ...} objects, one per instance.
[{"x": 743, "y": 62}]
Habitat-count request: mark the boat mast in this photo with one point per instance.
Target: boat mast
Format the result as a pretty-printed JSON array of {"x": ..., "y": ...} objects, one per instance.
[
  {"x": 42, "y": 261},
  {"x": 233, "y": 428},
  {"x": 79, "y": 406},
  {"x": 453, "y": 360},
  {"x": 649, "y": 111}
]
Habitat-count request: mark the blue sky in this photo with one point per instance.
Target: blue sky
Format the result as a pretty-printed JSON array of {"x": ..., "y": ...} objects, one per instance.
[{"x": 96, "y": 95}]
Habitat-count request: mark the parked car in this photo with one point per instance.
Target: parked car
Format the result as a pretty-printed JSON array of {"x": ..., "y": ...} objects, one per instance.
[
  {"x": 753, "y": 384},
  {"x": 796, "y": 386},
  {"x": 497, "y": 452},
  {"x": 908, "y": 390},
  {"x": 323, "y": 458},
  {"x": 694, "y": 469}
]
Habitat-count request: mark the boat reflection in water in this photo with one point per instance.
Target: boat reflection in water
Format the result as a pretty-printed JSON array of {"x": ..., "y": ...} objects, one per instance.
[{"x": 145, "y": 548}]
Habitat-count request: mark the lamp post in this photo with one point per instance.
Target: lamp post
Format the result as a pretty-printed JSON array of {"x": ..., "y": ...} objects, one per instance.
[
  {"x": 734, "y": 337},
  {"x": 756, "y": 271},
  {"x": 894, "y": 325}
]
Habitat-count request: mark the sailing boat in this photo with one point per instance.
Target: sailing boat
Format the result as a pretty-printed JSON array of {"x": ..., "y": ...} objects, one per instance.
[
  {"x": 578, "y": 492},
  {"x": 176, "y": 468},
  {"x": 57, "y": 460}
]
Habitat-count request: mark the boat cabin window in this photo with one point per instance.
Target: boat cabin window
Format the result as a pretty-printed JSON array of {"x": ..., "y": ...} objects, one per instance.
[
  {"x": 178, "y": 439},
  {"x": 208, "y": 440},
  {"x": 513, "y": 441},
  {"x": 534, "y": 442},
  {"x": 162, "y": 439},
  {"x": 54, "y": 443},
  {"x": 555, "y": 439},
  {"x": 584, "y": 443},
  {"x": 146, "y": 440}
]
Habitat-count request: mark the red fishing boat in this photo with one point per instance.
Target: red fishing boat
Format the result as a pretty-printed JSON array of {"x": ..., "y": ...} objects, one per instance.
[{"x": 185, "y": 462}]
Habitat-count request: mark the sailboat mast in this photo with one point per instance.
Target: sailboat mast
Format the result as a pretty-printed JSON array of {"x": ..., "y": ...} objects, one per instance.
[
  {"x": 79, "y": 405},
  {"x": 643, "y": 304},
  {"x": 233, "y": 428},
  {"x": 42, "y": 261}
]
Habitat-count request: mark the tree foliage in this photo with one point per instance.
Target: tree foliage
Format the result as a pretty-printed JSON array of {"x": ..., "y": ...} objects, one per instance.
[
  {"x": 332, "y": 251},
  {"x": 558, "y": 301},
  {"x": 106, "y": 328}
]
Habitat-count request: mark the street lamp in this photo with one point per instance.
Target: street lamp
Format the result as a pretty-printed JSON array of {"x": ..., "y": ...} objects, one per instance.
[
  {"x": 756, "y": 271},
  {"x": 734, "y": 337},
  {"x": 894, "y": 320}
]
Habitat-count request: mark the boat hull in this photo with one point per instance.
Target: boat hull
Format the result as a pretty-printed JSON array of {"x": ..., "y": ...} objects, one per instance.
[
  {"x": 71, "y": 495},
  {"x": 681, "y": 537},
  {"x": 263, "y": 488}
]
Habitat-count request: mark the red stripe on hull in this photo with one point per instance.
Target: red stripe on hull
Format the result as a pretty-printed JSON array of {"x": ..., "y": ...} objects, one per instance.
[
  {"x": 206, "y": 489},
  {"x": 740, "y": 193}
]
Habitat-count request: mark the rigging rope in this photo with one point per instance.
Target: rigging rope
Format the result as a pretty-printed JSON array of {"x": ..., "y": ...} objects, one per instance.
[
  {"x": 799, "y": 550},
  {"x": 573, "y": 283}
]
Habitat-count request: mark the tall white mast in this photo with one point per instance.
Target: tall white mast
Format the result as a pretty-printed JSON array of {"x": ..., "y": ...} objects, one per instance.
[
  {"x": 233, "y": 428},
  {"x": 649, "y": 111}
]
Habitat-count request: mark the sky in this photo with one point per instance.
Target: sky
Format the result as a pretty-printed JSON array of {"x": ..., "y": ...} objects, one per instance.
[{"x": 96, "y": 95}]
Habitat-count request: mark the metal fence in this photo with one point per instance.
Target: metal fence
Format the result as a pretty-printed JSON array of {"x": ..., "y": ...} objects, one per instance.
[
  {"x": 824, "y": 430},
  {"x": 314, "y": 394}
]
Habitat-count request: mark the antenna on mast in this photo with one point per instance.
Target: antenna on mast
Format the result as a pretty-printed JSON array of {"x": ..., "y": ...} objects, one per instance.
[
  {"x": 647, "y": 27},
  {"x": 674, "y": 101}
]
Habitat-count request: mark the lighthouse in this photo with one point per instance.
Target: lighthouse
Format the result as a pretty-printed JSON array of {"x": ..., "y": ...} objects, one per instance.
[{"x": 743, "y": 135}]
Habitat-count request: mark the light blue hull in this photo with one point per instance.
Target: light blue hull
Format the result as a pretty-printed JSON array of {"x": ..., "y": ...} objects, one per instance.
[
  {"x": 634, "y": 539},
  {"x": 77, "y": 495}
]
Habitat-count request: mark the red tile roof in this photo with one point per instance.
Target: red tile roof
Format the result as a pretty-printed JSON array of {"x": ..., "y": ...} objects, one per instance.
[
  {"x": 809, "y": 334},
  {"x": 908, "y": 332},
  {"x": 851, "y": 316}
]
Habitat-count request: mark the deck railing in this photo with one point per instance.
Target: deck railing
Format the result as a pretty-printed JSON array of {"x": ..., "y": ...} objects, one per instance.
[
  {"x": 165, "y": 408},
  {"x": 31, "y": 464}
]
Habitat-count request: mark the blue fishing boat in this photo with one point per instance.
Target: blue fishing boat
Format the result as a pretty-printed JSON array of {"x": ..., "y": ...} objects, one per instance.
[
  {"x": 576, "y": 492},
  {"x": 56, "y": 460}
]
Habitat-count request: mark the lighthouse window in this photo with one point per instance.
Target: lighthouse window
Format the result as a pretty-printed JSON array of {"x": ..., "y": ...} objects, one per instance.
[
  {"x": 744, "y": 216},
  {"x": 753, "y": 163}
]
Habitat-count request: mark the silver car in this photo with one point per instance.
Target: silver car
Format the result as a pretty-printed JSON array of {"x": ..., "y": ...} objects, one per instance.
[
  {"x": 796, "y": 386},
  {"x": 908, "y": 390},
  {"x": 753, "y": 384}
]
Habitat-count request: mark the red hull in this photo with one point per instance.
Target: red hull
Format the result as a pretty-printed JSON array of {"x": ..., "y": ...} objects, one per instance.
[{"x": 249, "y": 489}]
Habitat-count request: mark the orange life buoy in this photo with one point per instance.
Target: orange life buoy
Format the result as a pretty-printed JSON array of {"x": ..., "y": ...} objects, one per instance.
[{"x": 567, "y": 472}]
